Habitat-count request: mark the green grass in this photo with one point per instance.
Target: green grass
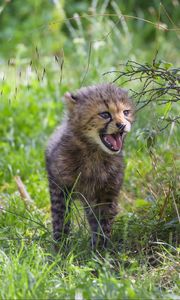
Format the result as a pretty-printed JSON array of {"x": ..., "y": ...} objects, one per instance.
[{"x": 142, "y": 260}]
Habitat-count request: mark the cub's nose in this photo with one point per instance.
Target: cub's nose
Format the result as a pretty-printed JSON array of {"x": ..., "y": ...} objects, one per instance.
[{"x": 120, "y": 126}]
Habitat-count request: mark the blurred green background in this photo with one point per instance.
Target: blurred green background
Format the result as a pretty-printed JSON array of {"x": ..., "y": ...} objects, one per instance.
[{"x": 49, "y": 25}]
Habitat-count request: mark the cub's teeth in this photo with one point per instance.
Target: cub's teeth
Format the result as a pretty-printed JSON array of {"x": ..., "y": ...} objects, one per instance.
[{"x": 106, "y": 140}]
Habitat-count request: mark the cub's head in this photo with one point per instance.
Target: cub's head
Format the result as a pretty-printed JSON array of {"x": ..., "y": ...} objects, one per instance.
[{"x": 101, "y": 113}]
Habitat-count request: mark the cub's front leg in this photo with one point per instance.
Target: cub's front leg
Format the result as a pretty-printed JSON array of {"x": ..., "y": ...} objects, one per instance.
[
  {"x": 100, "y": 220},
  {"x": 60, "y": 210}
]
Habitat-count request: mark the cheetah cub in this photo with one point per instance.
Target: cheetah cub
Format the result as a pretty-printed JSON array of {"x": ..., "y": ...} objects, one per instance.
[{"x": 85, "y": 154}]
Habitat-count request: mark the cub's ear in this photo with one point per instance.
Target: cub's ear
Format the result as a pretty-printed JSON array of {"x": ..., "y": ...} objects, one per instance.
[
  {"x": 70, "y": 97},
  {"x": 71, "y": 100}
]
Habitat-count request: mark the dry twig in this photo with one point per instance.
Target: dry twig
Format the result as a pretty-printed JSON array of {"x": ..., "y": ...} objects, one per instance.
[{"x": 23, "y": 191}]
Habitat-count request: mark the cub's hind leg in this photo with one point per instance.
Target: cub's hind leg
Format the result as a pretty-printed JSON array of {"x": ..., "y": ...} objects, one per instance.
[{"x": 60, "y": 209}]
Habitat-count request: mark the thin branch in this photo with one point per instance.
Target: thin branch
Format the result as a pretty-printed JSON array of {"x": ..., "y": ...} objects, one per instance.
[{"x": 156, "y": 82}]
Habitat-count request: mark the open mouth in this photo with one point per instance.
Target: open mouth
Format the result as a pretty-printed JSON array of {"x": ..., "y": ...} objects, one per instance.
[{"x": 112, "y": 141}]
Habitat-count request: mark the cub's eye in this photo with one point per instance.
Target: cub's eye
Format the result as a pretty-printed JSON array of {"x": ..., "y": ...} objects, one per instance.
[
  {"x": 105, "y": 115},
  {"x": 126, "y": 112}
]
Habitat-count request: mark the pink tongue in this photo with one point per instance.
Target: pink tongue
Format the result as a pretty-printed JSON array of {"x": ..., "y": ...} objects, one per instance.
[{"x": 115, "y": 140}]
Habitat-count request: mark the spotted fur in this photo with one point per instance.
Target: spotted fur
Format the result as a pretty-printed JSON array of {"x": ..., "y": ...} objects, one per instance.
[{"x": 76, "y": 158}]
